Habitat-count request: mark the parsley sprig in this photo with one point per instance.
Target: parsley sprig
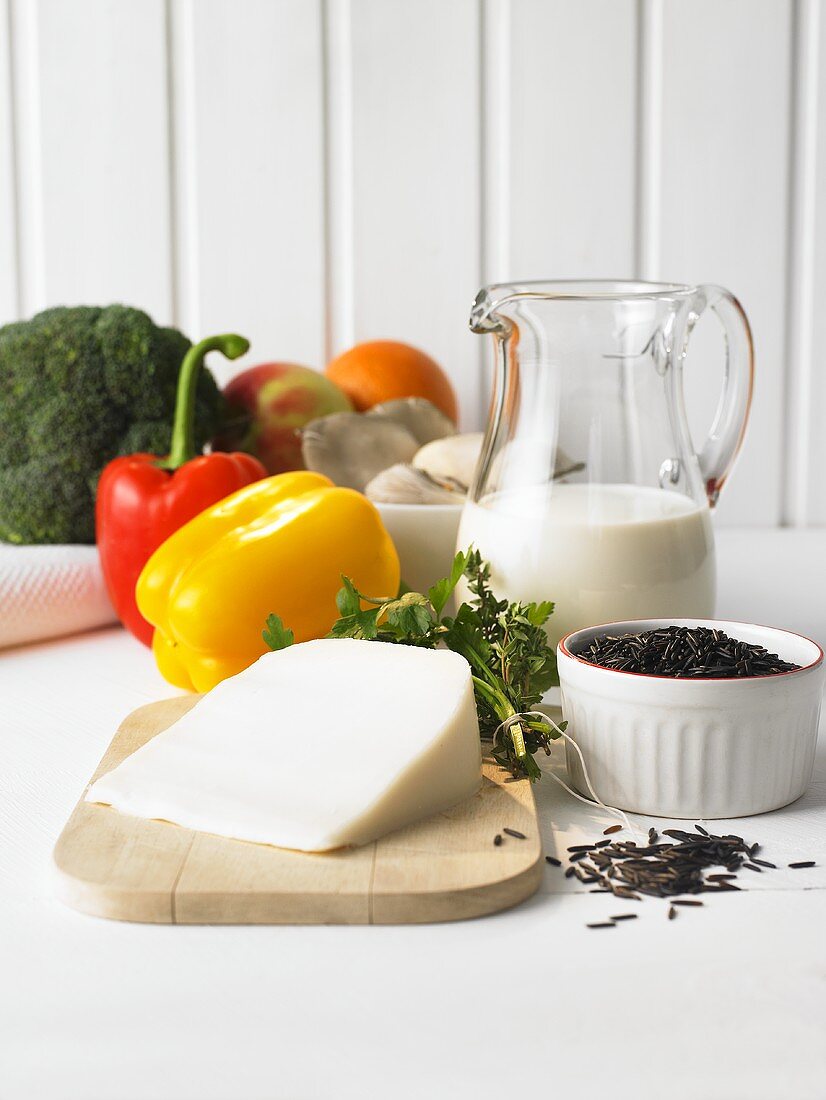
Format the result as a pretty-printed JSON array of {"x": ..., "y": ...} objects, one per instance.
[{"x": 504, "y": 643}]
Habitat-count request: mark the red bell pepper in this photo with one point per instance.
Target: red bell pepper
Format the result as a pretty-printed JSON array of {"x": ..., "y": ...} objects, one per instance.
[{"x": 142, "y": 499}]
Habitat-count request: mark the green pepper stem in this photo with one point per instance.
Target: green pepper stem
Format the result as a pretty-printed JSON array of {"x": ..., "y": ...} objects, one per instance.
[{"x": 182, "y": 446}]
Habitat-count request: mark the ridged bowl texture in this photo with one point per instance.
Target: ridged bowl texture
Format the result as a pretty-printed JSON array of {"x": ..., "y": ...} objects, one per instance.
[{"x": 693, "y": 748}]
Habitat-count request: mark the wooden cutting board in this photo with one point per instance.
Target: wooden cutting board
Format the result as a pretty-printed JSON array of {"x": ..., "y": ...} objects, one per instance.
[{"x": 446, "y": 868}]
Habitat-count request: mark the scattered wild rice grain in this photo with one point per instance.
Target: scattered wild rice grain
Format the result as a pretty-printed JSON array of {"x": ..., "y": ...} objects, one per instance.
[
  {"x": 515, "y": 833},
  {"x": 671, "y": 864},
  {"x": 623, "y": 892},
  {"x": 554, "y": 862},
  {"x": 803, "y": 863}
]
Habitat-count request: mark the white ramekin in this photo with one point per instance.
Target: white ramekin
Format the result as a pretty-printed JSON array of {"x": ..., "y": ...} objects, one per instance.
[
  {"x": 693, "y": 748},
  {"x": 425, "y": 537}
]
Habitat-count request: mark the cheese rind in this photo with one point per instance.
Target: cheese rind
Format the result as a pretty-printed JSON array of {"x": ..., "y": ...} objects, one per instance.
[{"x": 321, "y": 745}]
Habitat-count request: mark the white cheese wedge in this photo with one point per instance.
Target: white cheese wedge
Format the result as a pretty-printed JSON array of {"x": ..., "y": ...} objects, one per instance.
[{"x": 325, "y": 744}]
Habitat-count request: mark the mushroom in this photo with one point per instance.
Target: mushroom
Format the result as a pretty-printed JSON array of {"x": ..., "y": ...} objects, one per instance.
[
  {"x": 421, "y": 418},
  {"x": 454, "y": 457},
  {"x": 405, "y": 484},
  {"x": 351, "y": 448}
]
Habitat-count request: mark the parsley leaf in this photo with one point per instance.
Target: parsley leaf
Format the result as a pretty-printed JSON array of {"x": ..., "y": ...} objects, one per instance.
[
  {"x": 409, "y": 615},
  {"x": 442, "y": 590},
  {"x": 277, "y": 636},
  {"x": 348, "y": 600}
]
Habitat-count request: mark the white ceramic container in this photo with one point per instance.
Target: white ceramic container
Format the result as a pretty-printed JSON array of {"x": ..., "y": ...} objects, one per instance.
[
  {"x": 693, "y": 748},
  {"x": 425, "y": 538}
]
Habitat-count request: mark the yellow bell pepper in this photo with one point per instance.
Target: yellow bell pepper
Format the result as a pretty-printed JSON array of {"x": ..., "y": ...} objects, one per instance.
[{"x": 279, "y": 545}]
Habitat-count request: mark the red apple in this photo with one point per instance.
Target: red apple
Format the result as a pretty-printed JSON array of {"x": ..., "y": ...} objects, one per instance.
[{"x": 268, "y": 404}]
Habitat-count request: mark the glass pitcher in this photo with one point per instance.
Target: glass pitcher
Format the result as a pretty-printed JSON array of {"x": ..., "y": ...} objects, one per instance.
[{"x": 588, "y": 490}]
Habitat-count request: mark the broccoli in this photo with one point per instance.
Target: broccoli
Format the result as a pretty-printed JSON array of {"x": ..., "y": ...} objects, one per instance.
[{"x": 78, "y": 386}]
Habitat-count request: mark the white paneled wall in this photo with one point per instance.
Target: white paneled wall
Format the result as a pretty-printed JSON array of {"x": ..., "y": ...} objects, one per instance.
[
  {"x": 724, "y": 196},
  {"x": 415, "y": 79},
  {"x": 91, "y": 138},
  {"x": 248, "y": 147},
  {"x": 316, "y": 172},
  {"x": 805, "y": 496},
  {"x": 8, "y": 234},
  {"x": 571, "y": 138}
]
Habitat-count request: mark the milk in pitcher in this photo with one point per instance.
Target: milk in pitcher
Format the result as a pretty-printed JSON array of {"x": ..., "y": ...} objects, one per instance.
[{"x": 601, "y": 552}]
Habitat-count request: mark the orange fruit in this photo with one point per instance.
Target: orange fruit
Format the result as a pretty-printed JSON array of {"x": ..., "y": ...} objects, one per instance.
[{"x": 381, "y": 370}]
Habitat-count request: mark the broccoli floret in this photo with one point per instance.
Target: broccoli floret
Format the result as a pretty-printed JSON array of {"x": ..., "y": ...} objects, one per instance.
[
  {"x": 44, "y": 501},
  {"x": 78, "y": 386}
]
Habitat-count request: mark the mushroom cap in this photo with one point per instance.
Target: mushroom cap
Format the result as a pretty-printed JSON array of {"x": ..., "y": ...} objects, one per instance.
[
  {"x": 404, "y": 484},
  {"x": 351, "y": 448},
  {"x": 421, "y": 417},
  {"x": 454, "y": 457}
]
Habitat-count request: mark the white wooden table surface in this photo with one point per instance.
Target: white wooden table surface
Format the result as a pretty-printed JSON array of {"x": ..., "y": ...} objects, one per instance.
[{"x": 727, "y": 1001}]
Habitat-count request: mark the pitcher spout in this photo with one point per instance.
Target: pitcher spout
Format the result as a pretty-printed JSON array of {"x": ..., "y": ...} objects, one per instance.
[
  {"x": 483, "y": 318},
  {"x": 489, "y": 312}
]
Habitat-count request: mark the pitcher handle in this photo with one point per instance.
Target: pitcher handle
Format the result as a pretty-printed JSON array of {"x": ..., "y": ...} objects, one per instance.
[{"x": 725, "y": 437}]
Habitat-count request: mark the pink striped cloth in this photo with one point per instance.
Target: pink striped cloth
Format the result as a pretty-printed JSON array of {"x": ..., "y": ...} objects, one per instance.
[{"x": 49, "y": 591}]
